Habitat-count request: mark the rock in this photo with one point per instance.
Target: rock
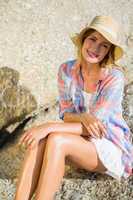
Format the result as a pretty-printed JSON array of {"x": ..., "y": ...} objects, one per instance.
[
  {"x": 16, "y": 101},
  {"x": 128, "y": 105},
  {"x": 11, "y": 158},
  {"x": 8, "y": 77},
  {"x": 7, "y": 189},
  {"x": 99, "y": 188}
]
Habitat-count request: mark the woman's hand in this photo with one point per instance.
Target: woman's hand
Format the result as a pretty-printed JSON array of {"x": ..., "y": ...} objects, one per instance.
[
  {"x": 93, "y": 125},
  {"x": 32, "y": 137}
]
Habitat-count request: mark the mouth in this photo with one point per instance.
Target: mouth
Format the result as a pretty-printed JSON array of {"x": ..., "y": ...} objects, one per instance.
[{"x": 92, "y": 55}]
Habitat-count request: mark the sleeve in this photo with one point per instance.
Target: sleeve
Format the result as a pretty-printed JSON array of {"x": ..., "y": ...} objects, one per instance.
[
  {"x": 110, "y": 96},
  {"x": 65, "y": 100}
]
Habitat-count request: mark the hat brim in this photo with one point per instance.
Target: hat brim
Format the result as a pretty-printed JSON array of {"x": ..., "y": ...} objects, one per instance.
[{"x": 77, "y": 38}]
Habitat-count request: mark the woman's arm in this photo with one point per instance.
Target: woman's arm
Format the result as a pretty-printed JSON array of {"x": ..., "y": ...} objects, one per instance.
[
  {"x": 72, "y": 117},
  {"x": 73, "y": 128},
  {"x": 65, "y": 100},
  {"x": 35, "y": 134},
  {"x": 32, "y": 137}
]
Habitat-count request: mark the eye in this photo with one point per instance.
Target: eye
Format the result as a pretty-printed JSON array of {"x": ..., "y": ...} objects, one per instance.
[
  {"x": 92, "y": 39},
  {"x": 105, "y": 46}
]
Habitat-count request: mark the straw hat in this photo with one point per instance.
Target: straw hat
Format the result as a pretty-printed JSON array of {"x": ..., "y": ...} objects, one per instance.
[{"x": 109, "y": 28}]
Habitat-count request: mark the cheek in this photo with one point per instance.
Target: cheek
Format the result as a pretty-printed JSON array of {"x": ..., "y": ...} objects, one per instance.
[
  {"x": 85, "y": 47},
  {"x": 104, "y": 52},
  {"x": 87, "y": 44}
]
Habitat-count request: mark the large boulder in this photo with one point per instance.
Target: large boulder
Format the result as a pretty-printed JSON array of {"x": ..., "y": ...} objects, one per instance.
[{"x": 15, "y": 101}]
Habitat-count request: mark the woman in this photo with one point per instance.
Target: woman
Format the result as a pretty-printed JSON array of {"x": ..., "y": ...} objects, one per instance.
[{"x": 94, "y": 135}]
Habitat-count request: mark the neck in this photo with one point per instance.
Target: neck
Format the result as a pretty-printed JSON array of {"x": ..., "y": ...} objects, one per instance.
[{"x": 90, "y": 67}]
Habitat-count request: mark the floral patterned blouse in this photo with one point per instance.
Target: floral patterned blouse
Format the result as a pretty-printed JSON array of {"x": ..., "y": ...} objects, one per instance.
[{"x": 105, "y": 104}]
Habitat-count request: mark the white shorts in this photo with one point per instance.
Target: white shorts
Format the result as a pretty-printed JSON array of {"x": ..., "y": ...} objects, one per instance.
[{"x": 110, "y": 155}]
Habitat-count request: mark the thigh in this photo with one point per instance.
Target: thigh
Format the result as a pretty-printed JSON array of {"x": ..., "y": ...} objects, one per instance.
[{"x": 81, "y": 152}]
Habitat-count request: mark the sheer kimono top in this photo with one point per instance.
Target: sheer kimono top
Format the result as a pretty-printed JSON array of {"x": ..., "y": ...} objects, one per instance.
[{"x": 105, "y": 104}]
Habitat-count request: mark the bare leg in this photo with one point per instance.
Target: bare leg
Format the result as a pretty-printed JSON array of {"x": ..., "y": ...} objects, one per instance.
[
  {"x": 60, "y": 145},
  {"x": 30, "y": 172}
]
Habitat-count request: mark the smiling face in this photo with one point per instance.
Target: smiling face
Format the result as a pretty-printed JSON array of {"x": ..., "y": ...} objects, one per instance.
[{"x": 95, "y": 47}]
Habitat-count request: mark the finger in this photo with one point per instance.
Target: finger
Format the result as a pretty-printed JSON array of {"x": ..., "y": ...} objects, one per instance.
[
  {"x": 85, "y": 123},
  {"x": 96, "y": 126},
  {"x": 91, "y": 132},
  {"x": 23, "y": 137},
  {"x": 23, "y": 143},
  {"x": 32, "y": 144},
  {"x": 20, "y": 140},
  {"x": 84, "y": 126},
  {"x": 102, "y": 128},
  {"x": 27, "y": 145},
  {"x": 27, "y": 137},
  {"x": 83, "y": 120},
  {"x": 29, "y": 141},
  {"x": 95, "y": 131}
]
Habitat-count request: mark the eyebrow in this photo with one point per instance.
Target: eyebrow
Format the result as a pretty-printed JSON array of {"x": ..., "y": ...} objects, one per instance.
[{"x": 97, "y": 38}]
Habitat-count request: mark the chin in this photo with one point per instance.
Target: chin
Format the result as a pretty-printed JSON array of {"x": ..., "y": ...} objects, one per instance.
[{"x": 92, "y": 61}]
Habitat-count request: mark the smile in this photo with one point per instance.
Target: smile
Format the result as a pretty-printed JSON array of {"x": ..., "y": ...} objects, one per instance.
[{"x": 92, "y": 55}]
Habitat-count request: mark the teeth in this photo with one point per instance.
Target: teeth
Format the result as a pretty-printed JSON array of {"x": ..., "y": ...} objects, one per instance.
[
  {"x": 93, "y": 55},
  {"x": 90, "y": 54}
]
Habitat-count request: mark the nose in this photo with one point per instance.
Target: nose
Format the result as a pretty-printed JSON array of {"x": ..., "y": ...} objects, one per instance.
[{"x": 96, "y": 48}]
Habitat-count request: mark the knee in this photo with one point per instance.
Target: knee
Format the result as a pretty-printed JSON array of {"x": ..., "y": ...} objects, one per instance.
[
  {"x": 39, "y": 147},
  {"x": 57, "y": 140}
]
